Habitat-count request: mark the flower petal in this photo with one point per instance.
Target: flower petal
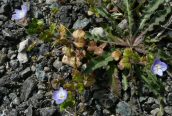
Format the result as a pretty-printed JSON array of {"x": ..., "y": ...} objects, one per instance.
[
  {"x": 24, "y": 8},
  {"x": 163, "y": 66},
  {"x": 59, "y": 101},
  {"x": 55, "y": 95},
  {"x": 159, "y": 72},
  {"x": 154, "y": 69},
  {"x": 15, "y": 17}
]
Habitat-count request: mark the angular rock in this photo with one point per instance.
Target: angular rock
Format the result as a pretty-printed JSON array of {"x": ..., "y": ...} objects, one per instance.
[
  {"x": 124, "y": 109},
  {"x": 7, "y": 33},
  {"x": 57, "y": 64},
  {"x": 81, "y": 23},
  {"x": 26, "y": 72},
  {"x": 48, "y": 111},
  {"x": 2, "y": 58},
  {"x": 14, "y": 64},
  {"x": 5, "y": 81},
  {"x": 23, "y": 45},
  {"x": 123, "y": 24},
  {"x": 35, "y": 99},
  {"x": 50, "y": 1},
  {"x": 16, "y": 101},
  {"x": 40, "y": 73},
  {"x": 27, "y": 88},
  {"x": 155, "y": 112},
  {"x": 169, "y": 99},
  {"x": 22, "y": 57},
  {"x": 168, "y": 110},
  {"x": 2, "y": 70},
  {"x": 98, "y": 31},
  {"x": 29, "y": 111},
  {"x": 15, "y": 76}
]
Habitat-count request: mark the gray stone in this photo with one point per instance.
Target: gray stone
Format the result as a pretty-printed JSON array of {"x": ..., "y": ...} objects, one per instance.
[
  {"x": 50, "y": 1},
  {"x": 2, "y": 70},
  {"x": 142, "y": 99},
  {"x": 23, "y": 45},
  {"x": 28, "y": 86},
  {"x": 85, "y": 113},
  {"x": 168, "y": 110},
  {"x": 124, "y": 109},
  {"x": 81, "y": 23},
  {"x": 168, "y": 88},
  {"x": 57, "y": 64},
  {"x": 14, "y": 64},
  {"x": 98, "y": 31},
  {"x": 5, "y": 80},
  {"x": 106, "y": 112},
  {"x": 15, "y": 76},
  {"x": 29, "y": 111},
  {"x": 41, "y": 86},
  {"x": 97, "y": 113},
  {"x": 16, "y": 101},
  {"x": 2, "y": 8},
  {"x": 154, "y": 112},
  {"x": 22, "y": 57},
  {"x": 169, "y": 99},
  {"x": 43, "y": 49},
  {"x": 35, "y": 99},
  {"x": 4, "y": 90},
  {"x": 123, "y": 24},
  {"x": 13, "y": 112},
  {"x": 26, "y": 72},
  {"x": 1, "y": 22},
  {"x": 33, "y": 68},
  {"x": 12, "y": 96},
  {"x": 48, "y": 111},
  {"x": 40, "y": 73},
  {"x": 13, "y": 56},
  {"x": 46, "y": 69},
  {"x": 2, "y": 58},
  {"x": 6, "y": 33}
]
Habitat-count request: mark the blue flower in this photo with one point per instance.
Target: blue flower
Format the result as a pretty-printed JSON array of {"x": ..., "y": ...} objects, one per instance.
[
  {"x": 20, "y": 14},
  {"x": 159, "y": 67},
  {"x": 60, "y": 95}
]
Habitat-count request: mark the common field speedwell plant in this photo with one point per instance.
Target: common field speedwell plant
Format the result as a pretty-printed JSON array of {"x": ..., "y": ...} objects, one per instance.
[{"x": 123, "y": 48}]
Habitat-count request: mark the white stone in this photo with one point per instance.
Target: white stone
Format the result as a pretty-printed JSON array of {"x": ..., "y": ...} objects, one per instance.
[
  {"x": 22, "y": 57},
  {"x": 98, "y": 31},
  {"x": 23, "y": 45},
  {"x": 50, "y": 1}
]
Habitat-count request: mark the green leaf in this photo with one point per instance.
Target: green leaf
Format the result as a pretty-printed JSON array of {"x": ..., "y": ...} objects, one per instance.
[
  {"x": 151, "y": 8},
  {"x": 154, "y": 84},
  {"x": 98, "y": 62},
  {"x": 70, "y": 102},
  {"x": 77, "y": 76},
  {"x": 46, "y": 36},
  {"x": 160, "y": 16},
  {"x": 80, "y": 87},
  {"x": 52, "y": 28},
  {"x": 129, "y": 16},
  {"x": 115, "y": 83},
  {"x": 36, "y": 26},
  {"x": 130, "y": 55},
  {"x": 124, "y": 82}
]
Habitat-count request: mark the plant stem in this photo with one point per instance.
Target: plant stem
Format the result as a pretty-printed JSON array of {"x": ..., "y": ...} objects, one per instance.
[{"x": 161, "y": 103}]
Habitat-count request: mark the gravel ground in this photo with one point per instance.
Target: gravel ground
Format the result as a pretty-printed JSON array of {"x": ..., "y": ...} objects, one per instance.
[{"x": 24, "y": 83}]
